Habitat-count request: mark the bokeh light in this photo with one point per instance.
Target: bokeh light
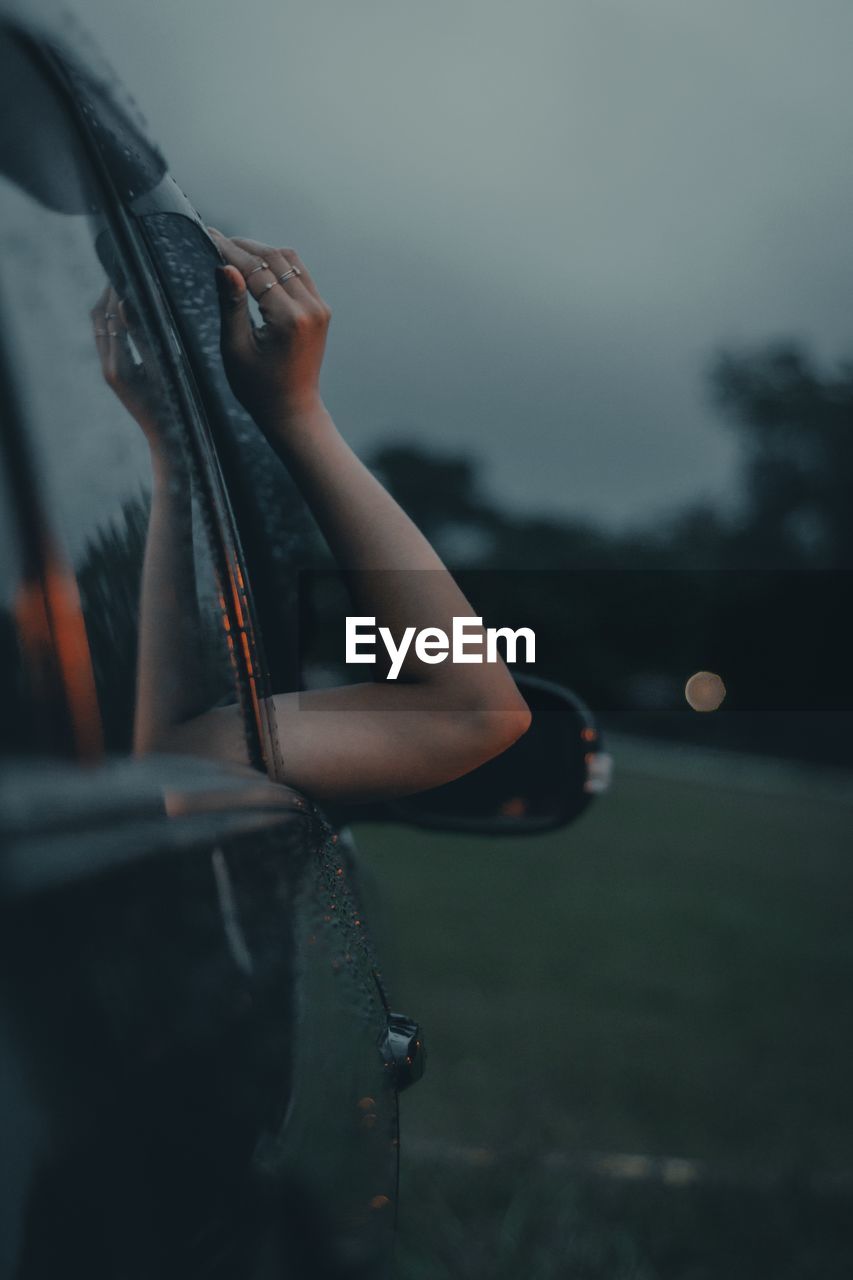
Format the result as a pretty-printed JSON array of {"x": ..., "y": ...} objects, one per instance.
[{"x": 705, "y": 691}]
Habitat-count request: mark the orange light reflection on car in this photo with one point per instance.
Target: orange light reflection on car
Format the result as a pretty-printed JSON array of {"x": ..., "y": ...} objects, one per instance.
[
  {"x": 237, "y": 589},
  {"x": 50, "y": 623}
]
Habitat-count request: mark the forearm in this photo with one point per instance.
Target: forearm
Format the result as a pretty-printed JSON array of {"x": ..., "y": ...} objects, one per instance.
[
  {"x": 363, "y": 525},
  {"x": 393, "y": 572},
  {"x": 167, "y": 679}
]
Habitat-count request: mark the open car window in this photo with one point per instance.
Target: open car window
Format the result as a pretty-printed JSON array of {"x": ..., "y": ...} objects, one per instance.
[{"x": 119, "y": 479}]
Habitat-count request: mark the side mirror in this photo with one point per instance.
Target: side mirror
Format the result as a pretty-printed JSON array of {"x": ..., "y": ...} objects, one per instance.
[{"x": 544, "y": 781}]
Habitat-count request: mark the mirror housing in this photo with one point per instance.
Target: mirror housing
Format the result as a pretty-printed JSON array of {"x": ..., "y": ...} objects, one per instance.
[{"x": 542, "y": 782}]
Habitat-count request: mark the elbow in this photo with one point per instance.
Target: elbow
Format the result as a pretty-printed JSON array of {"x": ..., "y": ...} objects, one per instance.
[{"x": 497, "y": 730}]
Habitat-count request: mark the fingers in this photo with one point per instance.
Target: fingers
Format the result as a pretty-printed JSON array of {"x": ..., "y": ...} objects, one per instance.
[
  {"x": 111, "y": 338},
  {"x": 99, "y": 324},
  {"x": 250, "y": 266},
  {"x": 129, "y": 325},
  {"x": 129, "y": 321},
  {"x": 262, "y": 264},
  {"x": 282, "y": 260},
  {"x": 279, "y": 266},
  {"x": 105, "y": 313},
  {"x": 104, "y": 317},
  {"x": 260, "y": 277},
  {"x": 300, "y": 286},
  {"x": 237, "y": 334}
]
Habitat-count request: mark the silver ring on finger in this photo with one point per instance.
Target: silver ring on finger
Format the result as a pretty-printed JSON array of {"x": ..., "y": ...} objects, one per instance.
[
  {"x": 100, "y": 333},
  {"x": 262, "y": 266},
  {"x": 286, "y": 275},
  {"x": 271, "y": 284},
  {"x": 112, "y": 333}
]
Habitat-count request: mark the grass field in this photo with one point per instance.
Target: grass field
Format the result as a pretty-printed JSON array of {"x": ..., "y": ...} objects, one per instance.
[{"x": 672, "y": 977}]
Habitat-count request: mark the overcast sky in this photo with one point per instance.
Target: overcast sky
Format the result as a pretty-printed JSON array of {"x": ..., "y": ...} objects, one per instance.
[{"x": 534, "y": 221}]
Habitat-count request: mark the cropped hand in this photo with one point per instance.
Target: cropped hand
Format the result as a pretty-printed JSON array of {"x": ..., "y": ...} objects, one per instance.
[
  {"x": 114, "y": 324},
  {"x": 273, "y": 368}
]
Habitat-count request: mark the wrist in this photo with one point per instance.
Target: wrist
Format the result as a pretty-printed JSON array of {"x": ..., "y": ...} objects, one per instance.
[
  {"x": 168, "y": 461},
  {"x": 301, "y": 426}
]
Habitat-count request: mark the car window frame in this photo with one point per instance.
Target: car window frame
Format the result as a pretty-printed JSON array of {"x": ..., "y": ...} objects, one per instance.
[
  {"x": 240, "y": 468},
  {"x": 245, "y": 631}
]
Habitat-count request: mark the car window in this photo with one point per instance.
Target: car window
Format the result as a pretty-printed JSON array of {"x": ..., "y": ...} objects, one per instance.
[{"x": 116, "y": 468}]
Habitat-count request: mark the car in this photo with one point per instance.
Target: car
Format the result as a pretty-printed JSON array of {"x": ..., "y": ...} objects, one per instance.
[{"x": 201, "y": 1058}]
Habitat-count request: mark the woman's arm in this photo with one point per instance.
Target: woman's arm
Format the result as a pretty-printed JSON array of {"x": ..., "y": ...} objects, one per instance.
[
  {"x": 436, "y": 721},
  {"x": 169, "y": 650}
]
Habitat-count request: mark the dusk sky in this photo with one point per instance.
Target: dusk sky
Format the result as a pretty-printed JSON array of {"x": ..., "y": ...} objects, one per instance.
[{"x": 534, "y": 223}]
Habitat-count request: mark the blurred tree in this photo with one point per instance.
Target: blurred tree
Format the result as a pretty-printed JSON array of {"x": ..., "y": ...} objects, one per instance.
[
  {"x": 443, "y": 494},
  {"x": 436, "y": 489},
  {"x": 796, "y": 428},
  {"x": 109, "y": 575}
]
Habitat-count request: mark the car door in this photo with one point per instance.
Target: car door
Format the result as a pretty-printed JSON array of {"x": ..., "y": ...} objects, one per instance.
[{"x": 191, "y": 1006}]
